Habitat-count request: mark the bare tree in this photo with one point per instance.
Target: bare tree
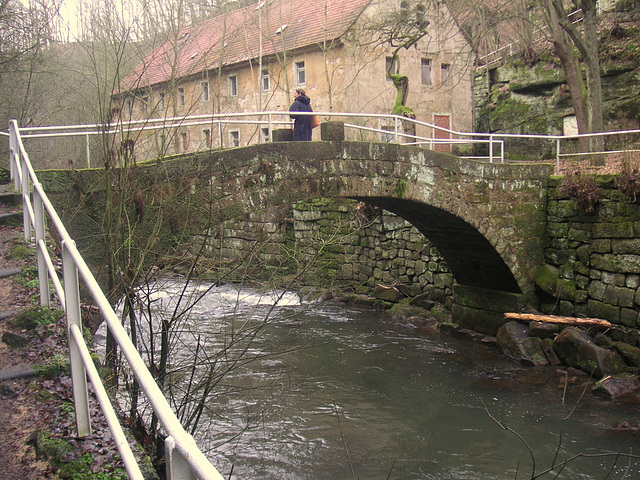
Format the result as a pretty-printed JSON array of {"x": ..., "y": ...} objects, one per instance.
[{"x": 577, "y": 48}]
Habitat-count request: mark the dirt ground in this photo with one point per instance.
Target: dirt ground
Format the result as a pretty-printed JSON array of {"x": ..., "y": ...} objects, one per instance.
[
  {"x": 23, "y": 414},
  {"x": 39, "y": 403}
]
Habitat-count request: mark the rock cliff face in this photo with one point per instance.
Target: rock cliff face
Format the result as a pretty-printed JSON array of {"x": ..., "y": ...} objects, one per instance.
[{"x": 533, "y": 98}]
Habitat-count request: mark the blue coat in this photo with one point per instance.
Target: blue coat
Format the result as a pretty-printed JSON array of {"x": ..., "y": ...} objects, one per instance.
[{"x": 302, "y": 123}]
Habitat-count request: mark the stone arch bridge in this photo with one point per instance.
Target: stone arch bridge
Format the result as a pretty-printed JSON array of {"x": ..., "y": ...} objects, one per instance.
[{"x": 487, "y": 220}]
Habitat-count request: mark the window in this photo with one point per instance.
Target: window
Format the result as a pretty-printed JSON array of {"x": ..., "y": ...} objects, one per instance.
[
  {"x": 425, "y": 71},
  {"x": 445, "y": 74},
  {"x": 205, "y": 91},
  {"x": 206, "y": 133},
  {"x": 185, "y": 141},
  {"x": 265, "y": 135},
  {"x": 181, "y": 97},
  {"x": 232, "y": 83},
  {"x": 300, "y": 73},
  {"x": 161, "y": 102},
  {"x": 145, "y": 103},
  {"x": 391, "y": 66},
  {"x": 234, "y": 138},
  {"x": 266, "y": 81},
  {"x": 128, "y": 108},
  {"x": 388, "y": 137},
  {"x": 404, "y": 10}
]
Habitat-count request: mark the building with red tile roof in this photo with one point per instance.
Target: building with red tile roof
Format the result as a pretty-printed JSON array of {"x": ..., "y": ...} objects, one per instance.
[{"x": 252, "y": 58}]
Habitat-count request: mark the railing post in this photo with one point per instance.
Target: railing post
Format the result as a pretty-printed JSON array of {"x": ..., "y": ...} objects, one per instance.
[
  {"x": 557, "y": 155},
  {"x": 177, "y": 468},
  {"x": 12, "y": 154},
  {"x": 88, "y": 151},
  {"x": 490, "y": 148},
  {"x": 39, "y": 227},
  {"x": 24, "y": 190},
  {"x": 395, "y": 129},
  {"x": 73, "y": 313},
  {"x": 270, "y": 126}
]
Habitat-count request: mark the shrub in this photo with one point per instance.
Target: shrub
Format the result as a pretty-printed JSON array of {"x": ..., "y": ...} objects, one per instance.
[
  {"x": 584, "y": 191},
  {"x": 628, "y": 182}
]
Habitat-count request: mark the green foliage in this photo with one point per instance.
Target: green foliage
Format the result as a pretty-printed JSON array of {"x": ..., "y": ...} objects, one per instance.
[
  {"x": 403, "y": 111},
  {"x": 4, "y": 175},
  {"x": 58, "y": 450},
  {"x": 31, "y": 318},
  {"x": 400, "y": 188},
  {"x": 59, "y": 364},
  {"x": 21, "y": 251}
]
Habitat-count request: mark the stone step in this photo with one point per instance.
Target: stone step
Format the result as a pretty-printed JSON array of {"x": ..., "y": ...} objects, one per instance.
[
  {"x": 13, "y": 219},
  {"x": 8, "y": 196}
]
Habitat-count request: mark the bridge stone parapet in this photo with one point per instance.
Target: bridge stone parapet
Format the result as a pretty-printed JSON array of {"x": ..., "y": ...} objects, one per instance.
[{"x": 487, "y": 221}]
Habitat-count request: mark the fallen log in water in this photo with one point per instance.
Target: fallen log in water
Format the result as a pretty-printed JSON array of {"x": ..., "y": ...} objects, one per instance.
[{"x": 532, "y": 317}]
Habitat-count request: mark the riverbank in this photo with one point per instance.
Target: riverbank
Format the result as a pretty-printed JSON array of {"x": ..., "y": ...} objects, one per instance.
[{"x": 37, "y": 431}]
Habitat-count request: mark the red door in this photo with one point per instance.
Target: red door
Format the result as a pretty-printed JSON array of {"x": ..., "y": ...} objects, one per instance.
[{"x": 443, "y": 121}]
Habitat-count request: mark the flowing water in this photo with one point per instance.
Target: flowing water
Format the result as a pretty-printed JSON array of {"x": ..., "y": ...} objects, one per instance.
[{"x": 355, "y": 396}]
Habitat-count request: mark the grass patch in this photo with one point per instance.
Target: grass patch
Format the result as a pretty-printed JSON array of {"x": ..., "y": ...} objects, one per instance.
[
  {"x": 21, "y": 251},
  {"x": 34, "y": 317},
  {"x": 58, "y": 365}
]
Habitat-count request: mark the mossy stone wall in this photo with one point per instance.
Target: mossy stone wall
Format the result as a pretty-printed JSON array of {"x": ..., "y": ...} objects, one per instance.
[
  {"x": 339, "y": 243},
  {"x": 592, "y": 260}
]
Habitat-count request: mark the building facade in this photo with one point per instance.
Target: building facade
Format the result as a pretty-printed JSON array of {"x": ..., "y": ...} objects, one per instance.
[{"x": 252, "y": 59}]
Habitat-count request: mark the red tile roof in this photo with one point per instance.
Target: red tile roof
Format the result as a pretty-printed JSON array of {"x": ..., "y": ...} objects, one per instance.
[{"x": 235, "y": 37}]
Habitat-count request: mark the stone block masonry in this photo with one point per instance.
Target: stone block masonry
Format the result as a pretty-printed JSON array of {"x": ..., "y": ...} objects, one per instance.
[
  {"x": 592, "y": 260},
  {"x": 343, "y": 243}
]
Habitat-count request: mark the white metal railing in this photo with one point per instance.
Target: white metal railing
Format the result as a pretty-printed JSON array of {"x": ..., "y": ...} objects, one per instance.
[
  {"x": 272, "y": 120},
  {"x": 484, "y": 61},
  {"x": 496, "y": 142},
  {"x": 184, "y": 459}
]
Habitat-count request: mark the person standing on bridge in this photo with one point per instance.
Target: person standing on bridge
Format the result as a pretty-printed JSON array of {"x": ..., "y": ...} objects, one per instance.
[{"x": 302, "y": 128}]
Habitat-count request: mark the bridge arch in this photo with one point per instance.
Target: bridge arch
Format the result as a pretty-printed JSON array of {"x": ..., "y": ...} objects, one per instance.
[
  {"x": 487, "y": 220},
  {"x": 472, "y": 258}
]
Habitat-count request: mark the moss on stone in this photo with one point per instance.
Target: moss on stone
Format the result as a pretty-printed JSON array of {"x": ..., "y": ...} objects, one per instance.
[{"x": 546, "y": 279}]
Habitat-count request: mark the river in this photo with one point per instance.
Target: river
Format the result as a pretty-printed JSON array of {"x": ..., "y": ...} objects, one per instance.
[{"x": 338, "y": 392}]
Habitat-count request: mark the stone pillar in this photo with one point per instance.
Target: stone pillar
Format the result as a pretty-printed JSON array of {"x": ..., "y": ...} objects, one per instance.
[
  {"x": 282, "y": 135},
  {"x": 332, "y": 131}
]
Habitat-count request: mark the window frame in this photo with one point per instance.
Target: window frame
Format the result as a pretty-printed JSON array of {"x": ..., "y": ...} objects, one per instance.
[
  {"x": 394, "y": 67},
  {"x": 232, "y": 85},
  {"x": 207, "y": 137},
  {"x": 234, "y": 138},
  {"x": 205, "y": 91},
  {"x": 128, "y": 107},
  {"x": 300, "y": 71},
  {"x": 181, "y": 97},
  {"x": 445, "y": 78},
  {"x": 426, "y": 73},
  {"x": 265, "y": 80}
]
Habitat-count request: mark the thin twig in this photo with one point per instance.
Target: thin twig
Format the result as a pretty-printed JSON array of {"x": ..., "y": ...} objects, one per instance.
[{"x": 509, "y": 429}]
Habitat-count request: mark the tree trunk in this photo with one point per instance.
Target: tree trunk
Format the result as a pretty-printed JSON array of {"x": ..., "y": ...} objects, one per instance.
[
  {"x": 594, "y": 81},
  {"x": 571, "y": 67},
  {"x": 577, "y": 50}
]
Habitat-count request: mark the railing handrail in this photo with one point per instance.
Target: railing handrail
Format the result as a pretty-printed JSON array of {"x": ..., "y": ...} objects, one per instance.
[
  {"x": 483, "y": 61},
  {"x": 280, "y": 117},
  {"x": 191, "y": 460}
]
